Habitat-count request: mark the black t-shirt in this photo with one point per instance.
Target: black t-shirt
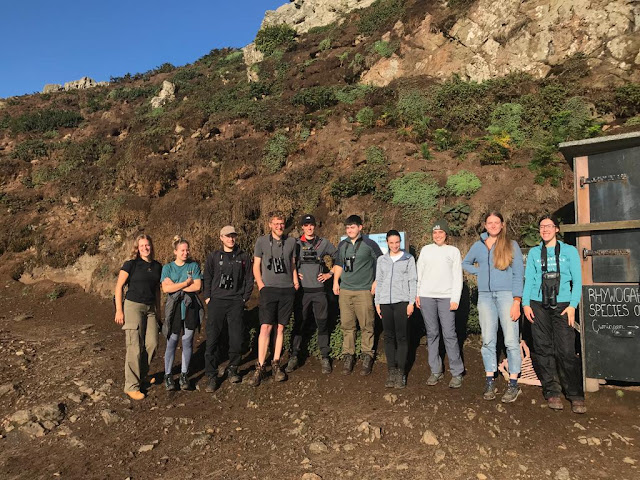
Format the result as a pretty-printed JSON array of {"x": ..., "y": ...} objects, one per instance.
[{"x": 144, "y": 281}]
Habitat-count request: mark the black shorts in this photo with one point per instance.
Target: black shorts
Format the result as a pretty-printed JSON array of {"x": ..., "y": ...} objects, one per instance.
[{"x": 276, "y": 305}]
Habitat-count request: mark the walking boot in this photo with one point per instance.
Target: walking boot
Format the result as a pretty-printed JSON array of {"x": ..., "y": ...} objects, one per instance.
[
  {"x": 578, "y": 406},
  {"x": 212, "y": 385},
  {"x": 456, "y": 381},
  {"x": 511, "y": 394},
  {"x": 325, "y": 363},
  {"x": 184, "y": 382},
  {"x": 292, "y": 365},
  {"x": 391, "y": 378},
  {"x": 489, "y": 389},
  {"x": 367, "y": 365},
  {"x": 233, "y": 375},
  {"x": 277, "y": 372},
  {"x": 349, "y": 362},
  {"x": 257, "y": 376},
  {"x": 434, "y": 378},
  {"x": 401, "y": 379},
  {"x": 169, "y": 384}
]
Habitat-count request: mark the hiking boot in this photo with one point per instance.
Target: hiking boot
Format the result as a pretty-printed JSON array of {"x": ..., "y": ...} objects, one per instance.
[
  {"x": 212, "y": 385},
  {"x": 555, "y": 403},
  {"x": 401, "y": 379},
  {"x": 257, "y": 376},
  {"x": 135, "y": 395},
  {"x": 367, "y": 365},
  {"x": 578, "y": 406},
  {"x": 233, "y": 375},
  {"x": 293, "y": 364},
  {"x": 184, "y": 382},
  {"x": 277, "y": 372},
  {"x": 456, "y": 381},
  {"x": 391, "y": 378},
  {"x": 325, "y": 363},
  {"x": 349, "y": 362},
  {"x": 511, "y": 394},
  {"x": 489, "y": 389},
  {"x": 169, "y": 384},
  {"x": 434, "y": 378}
]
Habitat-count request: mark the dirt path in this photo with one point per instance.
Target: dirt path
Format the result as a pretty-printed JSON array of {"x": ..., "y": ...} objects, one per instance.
[{"x": 64, "y": 416}]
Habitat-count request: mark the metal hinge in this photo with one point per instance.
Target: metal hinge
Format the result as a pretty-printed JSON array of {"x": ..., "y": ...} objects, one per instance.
[
  {"x": 612, "y": 252},
  {"x": 605, "y": 178}
]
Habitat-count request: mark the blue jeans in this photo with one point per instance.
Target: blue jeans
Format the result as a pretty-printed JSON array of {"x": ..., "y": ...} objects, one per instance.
[{"x": 494, "y": 306}]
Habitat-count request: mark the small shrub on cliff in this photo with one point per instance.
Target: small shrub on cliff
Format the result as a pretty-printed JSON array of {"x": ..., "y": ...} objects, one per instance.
[
  {"x": 384, "y": 49},
  {"x": 380, "y": 14},
  {"x": 507, "y": 118},
  {"x": 276, "y": 152},
  {"x": 315, "y": 98},
  {"x": 463, "y": 183},
  {"x": 30, "y": 149},
  {"x": 275, "y": 37},
  {"x": 415, "y": 190},
  {"x": 365, "y": 117},
  {"x": 46, "y": 120}
]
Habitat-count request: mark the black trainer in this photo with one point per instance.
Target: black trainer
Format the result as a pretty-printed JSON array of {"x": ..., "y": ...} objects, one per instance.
[
  {"x": 391, "y": 378},
  {"x": 169, "y": 384},
  {"x": 349, "y": 362},
  {"x": 293, "y": 364}
]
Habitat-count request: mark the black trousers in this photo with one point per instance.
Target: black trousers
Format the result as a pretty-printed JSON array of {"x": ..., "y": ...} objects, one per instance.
[
  {"x": 304, "y": 304},
  {"x": 554, "y": 353},
  {"x": 221, "y": 312},
  {"x": 396, "y": 327}
]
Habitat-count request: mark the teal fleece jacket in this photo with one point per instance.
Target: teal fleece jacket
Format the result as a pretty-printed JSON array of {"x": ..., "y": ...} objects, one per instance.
[
  {"x": 490, "y": 279},
  {"x": 570, "y": 274}
]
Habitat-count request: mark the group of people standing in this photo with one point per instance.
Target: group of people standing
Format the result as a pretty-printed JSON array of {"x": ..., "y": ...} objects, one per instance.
[{"x": 291, "y": 275}]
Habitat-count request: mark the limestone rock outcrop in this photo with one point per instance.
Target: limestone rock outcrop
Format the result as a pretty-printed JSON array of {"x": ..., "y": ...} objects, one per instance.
[
  {"x": 305, "y": 14},
  {"x": 167, "y": 94},
  {"x": 82, "y": 84},
  {"x": 496, "y": 38}
]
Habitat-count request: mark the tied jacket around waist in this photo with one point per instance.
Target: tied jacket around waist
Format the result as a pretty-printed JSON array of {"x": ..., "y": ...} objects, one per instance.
[
  {"x": 174, "y": 300},
  {"x": 396, "y": 281}
]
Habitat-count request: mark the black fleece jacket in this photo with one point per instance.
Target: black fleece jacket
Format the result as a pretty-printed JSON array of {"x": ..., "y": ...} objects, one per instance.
[{"x": 238, "y": 265}]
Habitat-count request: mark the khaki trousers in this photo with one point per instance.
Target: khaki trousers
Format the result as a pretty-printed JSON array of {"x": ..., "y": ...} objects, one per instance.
[
  {"x": 141, "y": 331},
  {"x": 356, "y": 306}
]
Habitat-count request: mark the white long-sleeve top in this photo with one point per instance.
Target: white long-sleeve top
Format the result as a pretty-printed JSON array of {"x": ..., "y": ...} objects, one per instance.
[{"x": 440, "y": 272}]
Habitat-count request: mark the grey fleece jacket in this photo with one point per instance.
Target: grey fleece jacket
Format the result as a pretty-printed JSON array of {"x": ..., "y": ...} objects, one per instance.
[{"x": 396, "y": 281}]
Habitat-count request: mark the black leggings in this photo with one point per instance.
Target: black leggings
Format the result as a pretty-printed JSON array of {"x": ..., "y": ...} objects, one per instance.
[{"x": 395, "y": 323}]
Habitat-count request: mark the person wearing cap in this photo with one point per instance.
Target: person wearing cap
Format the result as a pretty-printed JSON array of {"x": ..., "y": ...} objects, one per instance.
[
  {"x": 439, "y": 291},
  {"x": 274, "y": 269},
  {"x": 313, "y": 273},
  {"x": 228, "y": 283},
  {"x": 354, "y": 282}
]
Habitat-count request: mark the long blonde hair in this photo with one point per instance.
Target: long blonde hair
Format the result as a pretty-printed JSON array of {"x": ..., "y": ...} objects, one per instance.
[
  {"x": 503, "y": 253},
  {"x": 135, "y": 253}
]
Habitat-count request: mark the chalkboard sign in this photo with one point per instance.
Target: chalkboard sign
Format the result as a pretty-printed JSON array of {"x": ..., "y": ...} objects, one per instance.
[{"x": 612, "y": 331}]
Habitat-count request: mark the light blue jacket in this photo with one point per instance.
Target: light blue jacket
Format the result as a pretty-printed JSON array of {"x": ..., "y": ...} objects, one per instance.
[
  {"x": 570, "y": 274},
  {"x": 490, "y": 279},
  {"x": 396, "y": 281}
]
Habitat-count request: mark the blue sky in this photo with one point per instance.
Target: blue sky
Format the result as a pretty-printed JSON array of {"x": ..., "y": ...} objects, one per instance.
[{"x": 56, "y": 42}]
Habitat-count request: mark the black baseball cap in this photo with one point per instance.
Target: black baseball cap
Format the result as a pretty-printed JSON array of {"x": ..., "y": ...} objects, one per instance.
[
  {"x": 308, "y": 219},
  {"x": 353, "y": 220}
]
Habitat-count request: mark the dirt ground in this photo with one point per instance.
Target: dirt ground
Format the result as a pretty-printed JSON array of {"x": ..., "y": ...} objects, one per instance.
[{"x": 64, "y": 415}]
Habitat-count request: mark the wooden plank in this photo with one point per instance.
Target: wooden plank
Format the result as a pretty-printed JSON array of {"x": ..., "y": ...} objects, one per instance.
[{"x": 600, "y": 226}]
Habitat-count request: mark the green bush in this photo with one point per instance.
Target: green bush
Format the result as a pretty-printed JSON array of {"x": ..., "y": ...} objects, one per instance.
[
  {"x": 415, "y": 190},
  {"x": 574, "y": 121},
  {"x": 133, "y": 93},
  {"x": 315, "y": 98},
  {"x": 321, "y": 29},
  {"x": 442, "y": 139},
  {"x": 425, "y": 152},
  {"x": 275, "y": 153},
  {"x": 46, "y": 120},
  {"x": 324, "y": 44},
  {"x": 30, "y": 149},
  {"x": 460, "y": 104},
  {"x": 412, "y": 107},
  {"x": 362, "y": 181},
  {"x": 352, "y": 93},
  {"x": 463, "y": 183},
  {"x": 365, "y": 117},
  {"x": 544, "y": 164},
  {"x": 506, "y": 118},
  {"x": 380, "y": 14},
  {"x": 275, "y": 37},
  {"x": 457, "y": 216},
  {"x": 375, "y": 156},
  {"x": 184, "y": 76},
  {"x": 5, "y": 122},
  {"x": 384, "y": 49},
  {"x": 627, "y": 100}
]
